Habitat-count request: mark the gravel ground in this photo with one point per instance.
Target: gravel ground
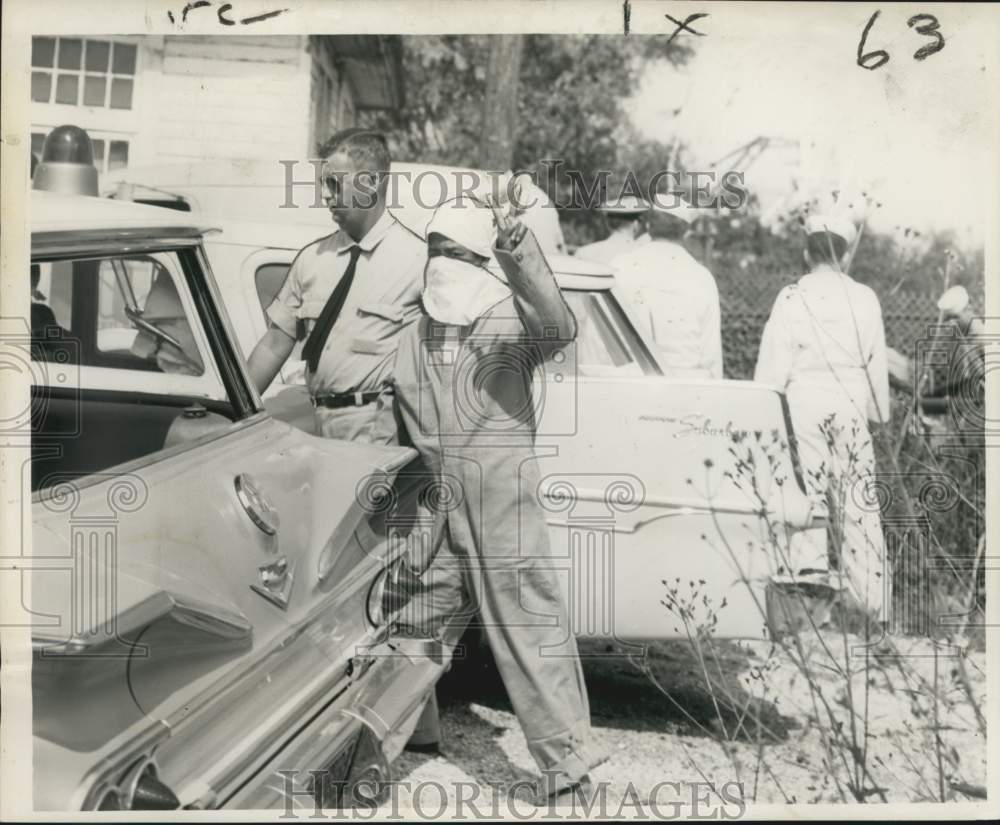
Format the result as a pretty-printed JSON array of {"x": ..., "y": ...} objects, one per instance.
[{"x": 669, "y": 732}]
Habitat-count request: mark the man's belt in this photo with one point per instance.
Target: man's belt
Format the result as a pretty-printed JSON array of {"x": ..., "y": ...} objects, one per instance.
[{"x": 335, "y": 400}]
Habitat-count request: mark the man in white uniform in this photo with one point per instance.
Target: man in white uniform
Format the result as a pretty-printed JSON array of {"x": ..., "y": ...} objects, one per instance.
[
  {"x": 626, "y": 219},
  {"x": 824, "y": 345},
  {"x": 674, "y": 296}
]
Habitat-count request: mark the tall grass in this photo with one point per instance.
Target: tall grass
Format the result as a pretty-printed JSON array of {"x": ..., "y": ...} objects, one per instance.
[{"x": 929, "y": 490}]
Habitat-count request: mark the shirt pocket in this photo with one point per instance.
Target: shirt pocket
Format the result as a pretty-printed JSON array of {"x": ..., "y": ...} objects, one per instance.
[
  {"x": 378, "y": 328},
  {"x": 307, "y": 315},
  {"x": 387, "y": 312}
]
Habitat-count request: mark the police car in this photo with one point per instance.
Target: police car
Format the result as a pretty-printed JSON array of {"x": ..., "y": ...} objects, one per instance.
[
  {"x": 211, "y": 586},
  {"x": 211, "y": 589}
]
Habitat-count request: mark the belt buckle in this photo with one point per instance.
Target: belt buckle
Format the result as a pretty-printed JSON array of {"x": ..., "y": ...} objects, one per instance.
[{"x": 359, "y": 399}]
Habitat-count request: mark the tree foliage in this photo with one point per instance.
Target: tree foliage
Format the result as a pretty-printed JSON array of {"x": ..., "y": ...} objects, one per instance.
[{"x": 570, "y": 105}]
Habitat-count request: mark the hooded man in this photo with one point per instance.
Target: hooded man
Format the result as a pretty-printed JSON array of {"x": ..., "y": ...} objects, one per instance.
[
  {"x": 675, "y": 297},
  {"x": 824, "y": 346},
  {"x": 463, "y": 382}
]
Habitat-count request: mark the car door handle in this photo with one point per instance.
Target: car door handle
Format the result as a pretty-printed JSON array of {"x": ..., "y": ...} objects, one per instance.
[{"x": 276, "y": 579}]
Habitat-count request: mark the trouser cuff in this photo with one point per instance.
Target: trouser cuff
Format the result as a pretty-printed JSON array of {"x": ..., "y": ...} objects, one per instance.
[{"x": 566, "y": 759}]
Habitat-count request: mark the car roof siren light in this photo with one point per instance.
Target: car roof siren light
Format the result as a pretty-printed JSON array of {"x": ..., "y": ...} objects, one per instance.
[{"x": 67, "y": 165}]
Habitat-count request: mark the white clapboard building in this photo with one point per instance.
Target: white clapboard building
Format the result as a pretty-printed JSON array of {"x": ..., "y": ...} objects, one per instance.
[{"x": 165, "y": 99}]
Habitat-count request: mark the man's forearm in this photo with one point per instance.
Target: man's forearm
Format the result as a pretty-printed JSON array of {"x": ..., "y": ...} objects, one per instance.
[
  {"x": 540, "y": 302},
  {"x": 268, "y": 357}
]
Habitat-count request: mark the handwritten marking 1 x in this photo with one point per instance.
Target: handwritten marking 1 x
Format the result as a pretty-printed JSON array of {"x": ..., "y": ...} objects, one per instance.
[{"x": 684, "y": 27}]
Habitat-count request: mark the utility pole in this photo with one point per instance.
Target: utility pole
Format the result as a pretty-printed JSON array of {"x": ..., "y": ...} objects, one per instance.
[{"x": 499, "y": 131}]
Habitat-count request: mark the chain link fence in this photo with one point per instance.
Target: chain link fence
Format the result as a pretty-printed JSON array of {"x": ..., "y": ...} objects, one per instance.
[{"x": 908, "y": 316}]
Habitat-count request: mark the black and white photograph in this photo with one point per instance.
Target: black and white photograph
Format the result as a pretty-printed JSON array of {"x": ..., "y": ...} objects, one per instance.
[{"x": 536, "y": 409}]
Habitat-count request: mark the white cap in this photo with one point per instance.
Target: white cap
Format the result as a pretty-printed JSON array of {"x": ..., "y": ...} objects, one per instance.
[
  {"x": 838, "y": 225},
  {"x": 624, "y": 205},
  {"x": 467, "y": 222},
  {"x": 954, "y": 300}
]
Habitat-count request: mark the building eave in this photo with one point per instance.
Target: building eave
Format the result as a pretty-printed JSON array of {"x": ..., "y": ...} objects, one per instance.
[{"x": 373, "y": 65}]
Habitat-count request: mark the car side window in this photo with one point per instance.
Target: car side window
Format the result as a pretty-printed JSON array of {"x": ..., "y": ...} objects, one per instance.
[
  {"x": 269, "y": 279},
  {"x": 601, "y": 344},
  {"x": 121, "y": 312},
  {"x": 126, "y": 368}
]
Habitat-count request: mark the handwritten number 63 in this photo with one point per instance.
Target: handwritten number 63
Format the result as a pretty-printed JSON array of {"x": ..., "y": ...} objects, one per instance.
[{"x": 925, "y": 24}]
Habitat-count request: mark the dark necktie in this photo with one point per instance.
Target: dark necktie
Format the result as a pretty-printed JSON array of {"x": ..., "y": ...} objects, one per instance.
[{"x": 313, "y": 347}]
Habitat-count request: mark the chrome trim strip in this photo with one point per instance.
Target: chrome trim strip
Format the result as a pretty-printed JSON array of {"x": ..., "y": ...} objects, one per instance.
[
  {"x": 689, "y": 505},
  {"x": 59, "y": 243},
  {"x": 307, "y": 747}
]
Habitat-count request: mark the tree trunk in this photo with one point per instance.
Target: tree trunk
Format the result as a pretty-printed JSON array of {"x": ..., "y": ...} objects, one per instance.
[{"x": 503, "y": 69}]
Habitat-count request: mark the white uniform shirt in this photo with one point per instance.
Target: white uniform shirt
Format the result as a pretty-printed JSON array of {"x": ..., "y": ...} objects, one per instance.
[
  {"x": 384, "y": 298},
  {"x": 824, "y": 333},
  {"x": 611, "y": 247},
  {"x": 677, "y": 301}
]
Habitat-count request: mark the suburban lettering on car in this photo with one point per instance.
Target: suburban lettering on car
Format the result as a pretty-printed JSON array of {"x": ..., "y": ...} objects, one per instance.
[{"x": 697, "y": 424}]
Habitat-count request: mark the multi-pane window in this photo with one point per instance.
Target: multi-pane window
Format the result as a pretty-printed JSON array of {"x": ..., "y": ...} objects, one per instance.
[
  {"x": 80, "y": 72},
  {"x": 109, "y": 154}
]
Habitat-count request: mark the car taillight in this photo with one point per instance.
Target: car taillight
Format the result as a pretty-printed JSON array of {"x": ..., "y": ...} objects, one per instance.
[
  {"x": 390, "y": 592},
  {"x": 151, "y": 794},
  {"x": 138, "y": 788}
]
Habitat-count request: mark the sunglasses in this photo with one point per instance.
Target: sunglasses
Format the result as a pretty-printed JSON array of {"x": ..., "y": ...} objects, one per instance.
[{"x": 332, "y": 183}]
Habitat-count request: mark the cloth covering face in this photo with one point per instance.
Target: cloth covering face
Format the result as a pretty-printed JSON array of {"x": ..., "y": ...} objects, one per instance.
[
  {"x": 464, "y": 397},
  {"x": 677, "y": 301},
  {"x": 824, "y": 345},
  {"x": 456, "y": 292}
]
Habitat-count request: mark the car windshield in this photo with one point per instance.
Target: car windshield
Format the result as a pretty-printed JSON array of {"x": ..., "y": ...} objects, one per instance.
[{"x": 605, "y": 343}]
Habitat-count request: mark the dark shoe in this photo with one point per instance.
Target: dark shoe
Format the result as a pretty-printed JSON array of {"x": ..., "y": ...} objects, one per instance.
[
  {"x": 431, "y": 748},
  {"x": 570, "y": 793}
]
